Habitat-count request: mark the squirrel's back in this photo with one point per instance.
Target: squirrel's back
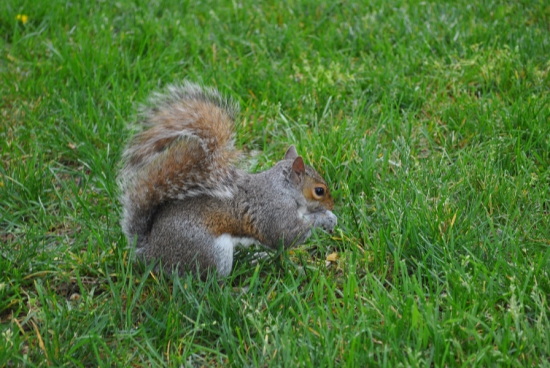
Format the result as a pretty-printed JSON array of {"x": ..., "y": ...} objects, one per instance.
[{"x": 186, "y": 150}]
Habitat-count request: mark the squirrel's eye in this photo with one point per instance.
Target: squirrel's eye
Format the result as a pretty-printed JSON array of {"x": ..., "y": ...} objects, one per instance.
[{"x": 319, "y": 191}]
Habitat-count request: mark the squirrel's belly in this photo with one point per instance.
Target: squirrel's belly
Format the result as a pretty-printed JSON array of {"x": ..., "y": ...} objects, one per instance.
[
  {"x": 224, "y": 245},
  {"x": 226, "y": 241}
]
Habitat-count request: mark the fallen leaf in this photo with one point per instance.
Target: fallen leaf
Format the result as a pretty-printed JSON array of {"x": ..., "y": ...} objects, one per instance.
[{"x": 332, "y": 257}]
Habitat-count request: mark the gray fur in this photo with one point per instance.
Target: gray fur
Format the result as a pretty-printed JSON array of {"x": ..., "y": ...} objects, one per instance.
[{"x": 179, "y": 237}]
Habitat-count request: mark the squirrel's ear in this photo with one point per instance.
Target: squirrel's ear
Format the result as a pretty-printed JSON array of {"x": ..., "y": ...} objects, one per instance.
[
  {"x": 298, "y": 170},
  {"x": 291, "y": 153}
]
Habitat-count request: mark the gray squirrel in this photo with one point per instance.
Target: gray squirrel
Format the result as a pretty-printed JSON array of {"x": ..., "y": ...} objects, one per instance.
[{"x": 187, "y": 205}]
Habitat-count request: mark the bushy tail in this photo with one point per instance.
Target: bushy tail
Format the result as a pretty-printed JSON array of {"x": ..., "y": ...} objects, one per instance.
[{"x": 186, "y": 150}]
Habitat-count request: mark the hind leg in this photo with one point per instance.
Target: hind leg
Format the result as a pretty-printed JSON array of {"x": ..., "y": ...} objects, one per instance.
[{"x": 180, "y": 241}]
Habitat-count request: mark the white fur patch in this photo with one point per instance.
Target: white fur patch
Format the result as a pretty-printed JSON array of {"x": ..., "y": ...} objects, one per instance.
[
  {"x": 302, "y": 211},
  {"x": 225, "y": 245}
]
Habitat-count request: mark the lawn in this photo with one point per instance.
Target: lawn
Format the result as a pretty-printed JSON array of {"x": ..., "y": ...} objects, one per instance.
[{"x": 429, "y": 120}]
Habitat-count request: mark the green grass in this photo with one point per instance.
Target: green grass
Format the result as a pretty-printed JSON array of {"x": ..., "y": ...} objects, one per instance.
[{"x": 430, "y": 120}]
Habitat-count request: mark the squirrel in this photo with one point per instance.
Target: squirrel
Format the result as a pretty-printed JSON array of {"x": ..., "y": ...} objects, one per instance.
[{"x": 185, "y": 202}]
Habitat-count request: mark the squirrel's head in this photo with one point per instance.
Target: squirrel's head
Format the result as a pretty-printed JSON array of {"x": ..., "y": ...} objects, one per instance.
[{"x": 313, "y": 186}]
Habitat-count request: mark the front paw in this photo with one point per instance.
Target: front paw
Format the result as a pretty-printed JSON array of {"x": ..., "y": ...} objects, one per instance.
[
  {"x": 329, "y": 221},
  {"x": 325, "y": 219}
]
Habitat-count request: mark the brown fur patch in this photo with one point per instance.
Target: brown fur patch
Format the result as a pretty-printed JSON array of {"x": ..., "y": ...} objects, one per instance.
[{"x": 219, "y": 222}]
